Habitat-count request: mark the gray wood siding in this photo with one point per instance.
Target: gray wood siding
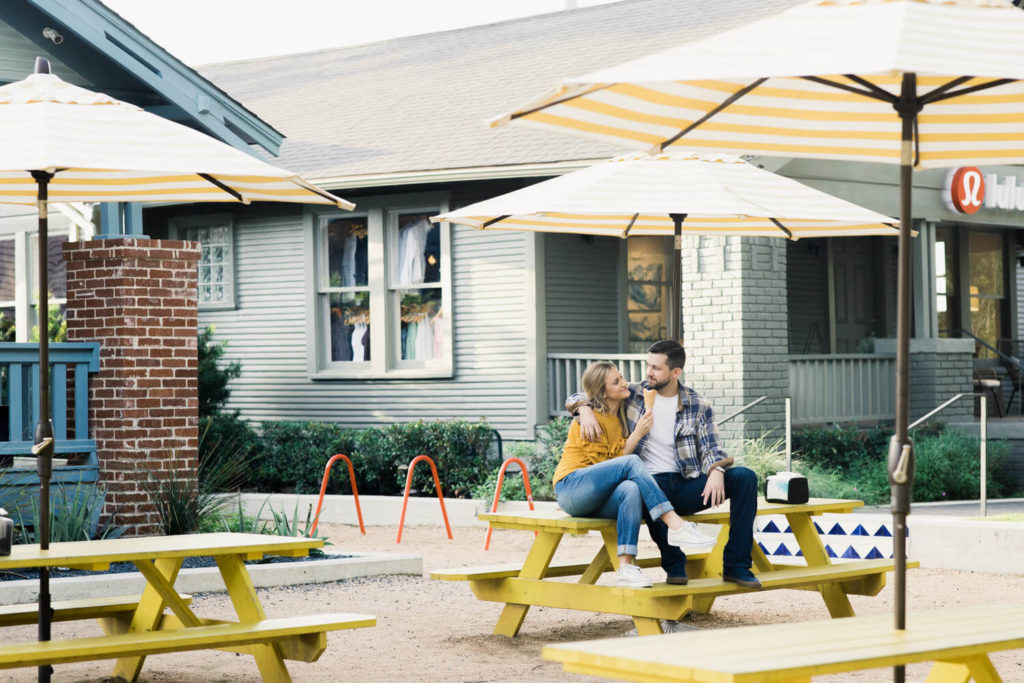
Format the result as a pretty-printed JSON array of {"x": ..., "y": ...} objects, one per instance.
[
  {"x": 582, "y": 296},
  {"x": 267, "y": 335}
]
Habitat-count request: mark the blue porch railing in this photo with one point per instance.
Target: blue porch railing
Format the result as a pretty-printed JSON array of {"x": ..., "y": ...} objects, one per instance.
[{"x": 70, "y": 365}]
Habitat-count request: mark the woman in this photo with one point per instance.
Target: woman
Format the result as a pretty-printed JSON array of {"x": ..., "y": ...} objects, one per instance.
[{"x": 595, "y": 479}]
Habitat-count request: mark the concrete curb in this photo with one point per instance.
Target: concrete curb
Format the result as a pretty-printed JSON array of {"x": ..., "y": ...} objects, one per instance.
[{"x": 208, "y": 580}]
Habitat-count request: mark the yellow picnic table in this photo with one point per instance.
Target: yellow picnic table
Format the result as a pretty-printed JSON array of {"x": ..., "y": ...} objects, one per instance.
[
  {"x": 136, "y": 626},
  {"x": 958, "y": 639},
  {"x": 528, "y": 584}
]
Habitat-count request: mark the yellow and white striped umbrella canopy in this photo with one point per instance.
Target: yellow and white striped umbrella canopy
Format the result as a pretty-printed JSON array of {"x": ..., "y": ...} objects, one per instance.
[
  {"x": 818, "y": 80},
  {"x": 634, "y": 194},
  {"x": 102, "y": 149}
]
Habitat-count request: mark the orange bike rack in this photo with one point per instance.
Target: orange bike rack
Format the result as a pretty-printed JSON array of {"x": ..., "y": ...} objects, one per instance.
[
  {"x": 497, "y": 492},
  {"x": 408, "y": 485},
  {"x": 323, "y": 488}
]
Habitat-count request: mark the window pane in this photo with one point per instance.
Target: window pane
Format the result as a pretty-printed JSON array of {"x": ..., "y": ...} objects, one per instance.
[
  {"x": 214, "y": 262},
  {"x": 986, "y": 323},
  {"x": 986, "y": 257},
  {"x": 419, "y": 250},
  {"x": 7, "y": 324},
  {"x": 945, "y": 262},
  {"x": 56, "y": 325},
  {"x": 424, "y": 329},
  {"x": 648, "y": 283},
  {"x": 346, "y": 253},
  {"x": 57, "y": 274},
  {"x": 350, "y": 326},
  {"x": 6, "y": 270}
]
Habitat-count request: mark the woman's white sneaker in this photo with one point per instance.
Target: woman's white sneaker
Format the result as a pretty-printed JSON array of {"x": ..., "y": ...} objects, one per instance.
[
  {"x": 690, "y": 535},
  {"x": 630, "y": 576}
]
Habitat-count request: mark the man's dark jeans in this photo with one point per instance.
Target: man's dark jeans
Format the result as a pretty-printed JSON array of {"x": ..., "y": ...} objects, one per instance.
[{"x": 685, "y": 496}]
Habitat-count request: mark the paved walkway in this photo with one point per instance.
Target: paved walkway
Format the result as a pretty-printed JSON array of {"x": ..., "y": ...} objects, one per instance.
[{"x": 960, "y": 508}]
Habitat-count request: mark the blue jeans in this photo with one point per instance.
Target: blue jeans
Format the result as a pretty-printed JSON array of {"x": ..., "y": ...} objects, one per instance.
[
  {"x": 685, "y": 495},
  {"x": 617, "y": 489}
]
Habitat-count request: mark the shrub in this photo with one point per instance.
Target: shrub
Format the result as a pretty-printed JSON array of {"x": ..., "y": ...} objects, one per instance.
[
  {"x": 213, "y": 379},
  {"x": 513, "y": 487},
  {"x": 292, "y": 456},
  {"x": 226, "y": 437}
]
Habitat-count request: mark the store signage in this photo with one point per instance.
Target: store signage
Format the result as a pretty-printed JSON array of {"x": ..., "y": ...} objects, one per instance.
[{"x": 968, "y": 189}]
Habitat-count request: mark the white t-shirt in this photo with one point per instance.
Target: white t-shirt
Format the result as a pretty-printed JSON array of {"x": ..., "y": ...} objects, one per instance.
[{"x": 660, "y": 449}]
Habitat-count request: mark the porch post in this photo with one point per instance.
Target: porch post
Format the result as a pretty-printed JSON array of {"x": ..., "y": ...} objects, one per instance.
[{"x": 735, "y": 328}]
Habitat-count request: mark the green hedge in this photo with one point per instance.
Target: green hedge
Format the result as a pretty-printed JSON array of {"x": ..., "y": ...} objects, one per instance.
[
  {"x": 292, "y": 456},
  {"x": 851, "y": 463}
]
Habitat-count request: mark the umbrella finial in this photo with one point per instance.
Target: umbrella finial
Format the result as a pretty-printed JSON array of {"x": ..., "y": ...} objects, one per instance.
[{"x": 42, "y": 66}]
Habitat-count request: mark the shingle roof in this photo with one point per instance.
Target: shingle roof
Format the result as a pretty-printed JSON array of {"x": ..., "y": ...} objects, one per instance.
[{"x": 419, "y": 103}]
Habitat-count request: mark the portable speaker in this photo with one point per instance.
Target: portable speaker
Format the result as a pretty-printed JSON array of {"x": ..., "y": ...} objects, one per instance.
[{"x": 786, "y": 487}]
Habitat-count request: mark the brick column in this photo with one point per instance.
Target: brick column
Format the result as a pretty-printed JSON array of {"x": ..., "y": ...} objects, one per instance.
[
  {"x": 735, "y": 329},
  {"x": 138, "y": 299}
]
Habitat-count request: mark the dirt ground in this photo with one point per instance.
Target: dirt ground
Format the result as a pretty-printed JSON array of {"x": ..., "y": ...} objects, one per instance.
[{"x": 437, "y": 631}]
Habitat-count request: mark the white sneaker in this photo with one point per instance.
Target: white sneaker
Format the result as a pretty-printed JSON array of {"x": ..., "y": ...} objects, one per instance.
[
  {"x": 630, "y": 576},
  {"x": 689, "y": 534}
]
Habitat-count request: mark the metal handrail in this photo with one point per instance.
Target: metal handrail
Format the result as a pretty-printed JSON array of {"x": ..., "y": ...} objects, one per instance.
[
  {"x": 742, "y": 410},
  {"x": 983, "y": 429},
  {"x": 1013, "y": 360}
]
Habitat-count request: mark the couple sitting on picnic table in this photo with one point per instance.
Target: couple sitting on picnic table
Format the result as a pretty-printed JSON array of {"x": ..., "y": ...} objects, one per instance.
[{"x": 670, "y": 463}]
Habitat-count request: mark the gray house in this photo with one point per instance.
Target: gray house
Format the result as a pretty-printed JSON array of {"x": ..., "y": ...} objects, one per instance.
[{"x": 376, "y": 316}]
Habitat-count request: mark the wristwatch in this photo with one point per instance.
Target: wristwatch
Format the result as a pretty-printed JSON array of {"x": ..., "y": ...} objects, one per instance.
[{"x": 719, "y": 468}]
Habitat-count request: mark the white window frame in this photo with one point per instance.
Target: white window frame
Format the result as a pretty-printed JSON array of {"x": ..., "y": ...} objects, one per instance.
[
  {"x": 385, "y": 362},
  {"x": 179, "y": 227}
]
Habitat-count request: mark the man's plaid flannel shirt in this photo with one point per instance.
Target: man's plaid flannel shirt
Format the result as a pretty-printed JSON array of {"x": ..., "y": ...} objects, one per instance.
[{"x": 697, "y": 442}]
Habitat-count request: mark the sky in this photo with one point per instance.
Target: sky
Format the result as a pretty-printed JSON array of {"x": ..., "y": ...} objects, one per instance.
[{"x": 206, "y": 31}]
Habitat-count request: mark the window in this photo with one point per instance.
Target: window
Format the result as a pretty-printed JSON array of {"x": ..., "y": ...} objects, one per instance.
[
  {"x": 8, "y": 303},
  {"x": 648, "y": 283},
  {"x": 215, "y": 234},
  {"x": 987, "y": 288},
  {"x": 945, "y": 281},
  {"x": 381, "y": 291}
]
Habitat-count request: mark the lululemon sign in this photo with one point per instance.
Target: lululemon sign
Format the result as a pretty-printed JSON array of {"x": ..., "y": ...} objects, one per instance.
[
  {"x": 965, "y": 189},
  {"x": 968, "y": 189}
]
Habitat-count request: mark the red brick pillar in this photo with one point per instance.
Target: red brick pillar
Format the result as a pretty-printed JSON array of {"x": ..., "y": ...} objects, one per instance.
[{"x": 137, "y": 298}]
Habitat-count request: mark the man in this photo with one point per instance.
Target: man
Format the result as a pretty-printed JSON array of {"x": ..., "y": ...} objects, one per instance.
[{"x": 683, "y": 454}]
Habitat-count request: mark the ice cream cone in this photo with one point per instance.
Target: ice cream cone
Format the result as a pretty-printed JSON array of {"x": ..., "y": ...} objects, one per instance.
[{"x": 649, "y": 399}]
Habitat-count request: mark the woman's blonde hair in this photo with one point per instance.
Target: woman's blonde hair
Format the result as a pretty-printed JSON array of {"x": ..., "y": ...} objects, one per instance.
[{"x": 594, "y": 380}]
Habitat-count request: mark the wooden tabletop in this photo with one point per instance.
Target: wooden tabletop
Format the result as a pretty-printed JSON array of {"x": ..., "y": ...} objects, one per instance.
[
  {"x": 99, "y": 554},
  {"x": 558, "y": 520},
  {"x": 789, "y": 650}
]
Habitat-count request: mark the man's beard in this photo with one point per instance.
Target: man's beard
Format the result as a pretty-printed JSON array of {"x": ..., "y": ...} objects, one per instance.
[{"x": 658, "y": 386}]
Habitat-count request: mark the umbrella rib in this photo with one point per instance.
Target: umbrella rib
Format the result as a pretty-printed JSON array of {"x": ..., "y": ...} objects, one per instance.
[
  {"x": 735, "y": 96},
  {"x": 872, "y": 92},
  {"x": 630, "y": 226},
  {"x": 561, "y": 101},
  {"x": 213, "y": 181},
  {"x": 930, "y": 97},
  {"x": 780, "y": 226},
  {"x": 491, "y": 222}
]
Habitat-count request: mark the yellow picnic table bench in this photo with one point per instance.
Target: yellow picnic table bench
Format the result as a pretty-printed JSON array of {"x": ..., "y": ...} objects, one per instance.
[
  {"x": 161, "y": 619},
  {"x": 528, "y": 584},
  {"x": 958, "y": 639}
]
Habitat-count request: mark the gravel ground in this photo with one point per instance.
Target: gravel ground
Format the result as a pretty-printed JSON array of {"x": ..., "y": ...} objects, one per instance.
[{"x": 437, "y": 631}]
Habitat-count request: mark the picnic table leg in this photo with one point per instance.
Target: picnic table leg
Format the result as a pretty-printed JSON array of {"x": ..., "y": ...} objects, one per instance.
[
  {"x": 247, "y": 606},
  {"x": 979, "y": 668},
  {"x": 836, "y": 600},
  {"x": 712, "y": 569},
  {"x": 645, "y": 626},
  {"x": 534, "y": 567},
  {"x": 147, "y": 615}
]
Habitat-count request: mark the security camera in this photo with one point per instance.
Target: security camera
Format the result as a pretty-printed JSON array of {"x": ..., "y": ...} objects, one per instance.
[{"x": 53, "y": 34}]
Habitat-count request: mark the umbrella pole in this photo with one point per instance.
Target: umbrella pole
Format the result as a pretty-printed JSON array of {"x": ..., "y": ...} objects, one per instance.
[
  {"x": 901, "y": 450},
  {"x": 676, "y": 302},
  {"x": 43, "y": 448}
]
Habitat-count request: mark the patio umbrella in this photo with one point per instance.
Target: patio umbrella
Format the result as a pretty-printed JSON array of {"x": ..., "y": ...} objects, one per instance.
[
  {"x": 62, "y": 143},
  {"x": 921, "y": 83},
  {"x": 671, "y": 193}
]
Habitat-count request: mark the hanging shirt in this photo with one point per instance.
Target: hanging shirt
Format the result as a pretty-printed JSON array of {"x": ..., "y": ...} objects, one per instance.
[{"x": 412, "y": 239}]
